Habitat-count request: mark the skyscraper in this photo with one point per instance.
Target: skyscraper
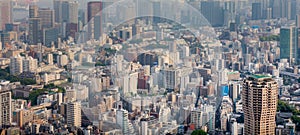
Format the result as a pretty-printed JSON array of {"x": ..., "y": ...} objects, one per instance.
[
  {"x": 47, "y": 17},
  {"x": 213, "y": 12},
  {"x": 94, "y": 8},
  {"x": 284, "y": 9},
  {"x": 123, "y": 121},
  {"x": 259, "y": 104},
  {"x": 95, "y": 19},
  {"x": 74, "y": 114},
  {"x": 256, "y": 11},
  {"x": 33, "y": 11},
  {"x": 196, "y": 118},
  {"x": 57, "y": 10},
  {"x": 298, "y": 21},
  {"x": 35, "y": 30},
  {"x": 16, "y": 65},
  {"x": 156, "y": 11},
  {"x": 6, "y": 13},
  {"x": 73, "y": 12},
  {"x": 66, "y": 11},
  {"x": 288, "y": 43},
  {"x": 5, "y": 105},
  {"x": 30, "y": 64}
]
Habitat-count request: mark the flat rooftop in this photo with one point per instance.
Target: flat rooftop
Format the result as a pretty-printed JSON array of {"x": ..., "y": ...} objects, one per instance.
[{"x": 260, "y": 76}]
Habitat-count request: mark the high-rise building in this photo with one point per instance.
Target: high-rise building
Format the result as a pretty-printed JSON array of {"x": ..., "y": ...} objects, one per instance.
[
  {"x": 73, "y": 12},
  {"x": 156, "y": 11},
  {"x": 35, "y": 29},
  {"x": 33, "y": 11},
  {"x": 30, "y": 64},
  {"x": 5, "y": 39},
  {"x": 74, "y": 114},
  {"x": 259, "y": 97},
  {"x": 196, "y": 118},
  {"x": 171, "y": 78},
  {"x": 298, "y": 21},
  {"x": 95, "y": 19},
  {"x": 288, "y": 44},
  {"x": 47, "y": 17},
  {"x": 144, "y": 128},
  {"x": 57, "y": 5},
  {"x": 213, "y": 12},
  {"x": 256, "y": 11},
  {"x": 62, "y": 60},
  {"x": 16, "y": 65},
  {"x": 284, "y": 9},
  {"x": 6, "y": 13},
  {"x": 50, "y": 35},
  {"x": 94, "y": 8},
  {"x": 66, "y": 11},
  {"x": 5, "y": 104},
  {"x": 123, "y": 121},
  {"x": 50, "y": 59}
]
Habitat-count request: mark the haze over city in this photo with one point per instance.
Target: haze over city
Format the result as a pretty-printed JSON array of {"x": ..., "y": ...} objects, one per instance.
[{"x": 150, "y": 67}]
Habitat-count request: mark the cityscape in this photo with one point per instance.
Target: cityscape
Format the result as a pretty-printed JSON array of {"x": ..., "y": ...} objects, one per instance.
[{"x": 150, "y": 67}]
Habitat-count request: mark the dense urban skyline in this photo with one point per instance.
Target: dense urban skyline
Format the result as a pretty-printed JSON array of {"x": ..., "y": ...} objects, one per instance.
[{"x": 150, "y": 67}]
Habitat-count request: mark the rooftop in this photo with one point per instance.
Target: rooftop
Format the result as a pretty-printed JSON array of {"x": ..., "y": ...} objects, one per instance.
[{"x": 260, "y": 76}]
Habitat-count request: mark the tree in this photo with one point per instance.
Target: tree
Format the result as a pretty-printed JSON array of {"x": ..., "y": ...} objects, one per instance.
[{"x": 199, "y": 132}]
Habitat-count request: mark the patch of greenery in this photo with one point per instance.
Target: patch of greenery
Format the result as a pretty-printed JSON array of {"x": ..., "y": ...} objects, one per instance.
[
  {"x": 4, "y": 75},
  {"x": 199, "y": 132},
  {"x": 270, "y": 38},
  {"x": 52, "y": 86},
  {"x": 34, "y": 94},
  {"x": 110, "y": 51},
  {"x": 99, "y": 63},
  {"x": 284, "y": 107}
]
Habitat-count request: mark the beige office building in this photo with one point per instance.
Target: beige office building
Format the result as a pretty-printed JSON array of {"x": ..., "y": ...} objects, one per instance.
[
  {"x": 259, "y": 97},
  {"x": 74, "y": 114}
]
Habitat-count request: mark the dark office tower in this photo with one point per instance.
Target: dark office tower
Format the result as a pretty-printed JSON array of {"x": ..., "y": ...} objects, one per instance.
[
  {"x": 94, "y": 9},
  {"x": 291, "y": 9},
  {"x": 147, "y": 59},
  {"x": 50, "y": 36},
  {"x": 66, "y": 11},
  {"x": 256, "y": 11},
  {"x": 213, "y": 12},
  {"x": 95, "y": 19},
  {"x": 35, "y": 29},
  {"x": 276, "y": 8},
  {"x": 72, "y": 29},
  {"x": 265, "y": 6},
  {"x": 5, "y": 39},
  {"x": 57, "y": 10},
  {"x": 47, "y": 17},
  {"x": 284, "y": 9},
  {"x": 156, "y": 11},
  {"x": 6, "y": 13},
  {"x": 33, "y": 11},
  {"x": 288, "y": 44},
  {"x": 82, "y": 17}
]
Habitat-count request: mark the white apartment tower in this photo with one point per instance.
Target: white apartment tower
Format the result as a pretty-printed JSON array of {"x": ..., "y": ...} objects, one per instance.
[
  {"x": 30, "y": 64},
  {"x": 123, "y": 122},
  {"x": 16, "y": 65}
]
